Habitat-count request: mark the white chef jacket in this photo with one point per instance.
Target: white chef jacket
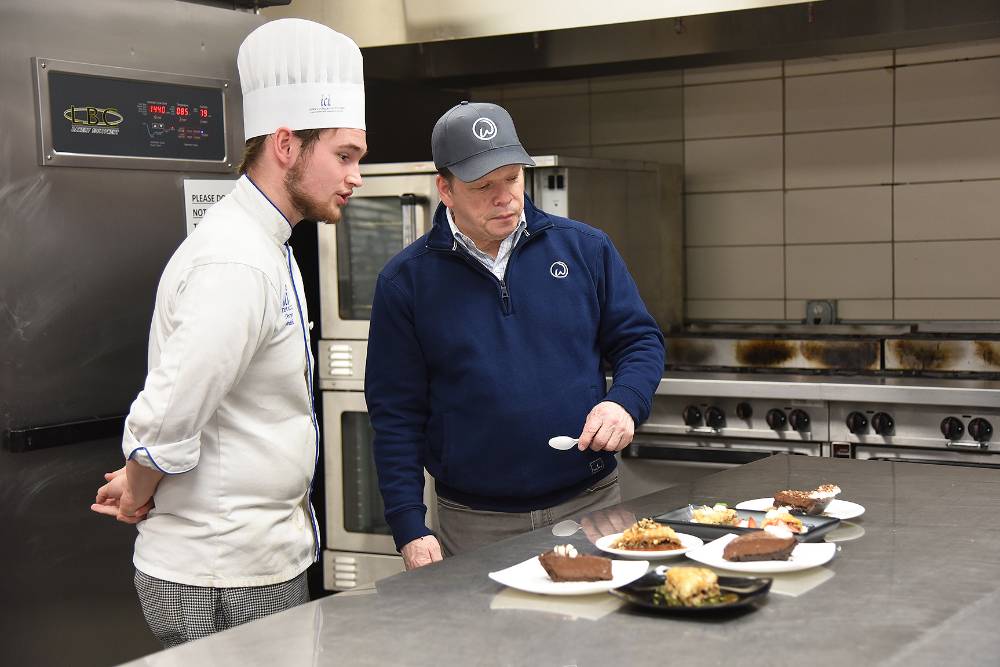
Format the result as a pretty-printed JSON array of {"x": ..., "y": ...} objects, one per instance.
[{"x": 226, "y": 410}]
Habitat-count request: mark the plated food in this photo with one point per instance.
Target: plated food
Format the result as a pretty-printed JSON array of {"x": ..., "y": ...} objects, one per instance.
[
  {"x": 718, "y": 515},
  {"x": 783, "y": 518},
  {"x": 565, "y": 563},
  {"x": 531, "y": 577},
  {"x": 693, "y": 591},
  {"x": 648, "y": 539},
  {"x": 803, "y": 556},
  {"x": 772, "y": 543},
  {"x": 821, "y": 501},
  {"x": 810, "y": 502},
  {"x": 690, "y": 586},
  {"x": 648, "y": 535}
]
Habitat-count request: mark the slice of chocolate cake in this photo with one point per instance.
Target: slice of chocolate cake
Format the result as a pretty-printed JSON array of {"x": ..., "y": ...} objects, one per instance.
[
  {"x": 811, "y": 502},
  {"x": 565, "y": 563},
  {"x": 772, "y": 543}
]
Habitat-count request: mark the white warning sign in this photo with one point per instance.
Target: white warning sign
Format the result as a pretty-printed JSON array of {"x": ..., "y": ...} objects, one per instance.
[{"x": 200, "y": 194}]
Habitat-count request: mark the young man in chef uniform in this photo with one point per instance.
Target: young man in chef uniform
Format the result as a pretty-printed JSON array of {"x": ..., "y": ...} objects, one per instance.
[{"x": 221, "y": 443}]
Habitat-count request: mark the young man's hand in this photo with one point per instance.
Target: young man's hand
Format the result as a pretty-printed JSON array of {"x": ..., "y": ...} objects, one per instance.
[{"x": 111, "y": 497}]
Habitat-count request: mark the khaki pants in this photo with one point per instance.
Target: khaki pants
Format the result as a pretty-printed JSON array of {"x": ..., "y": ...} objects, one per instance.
[{"x": 463, "y": 529}]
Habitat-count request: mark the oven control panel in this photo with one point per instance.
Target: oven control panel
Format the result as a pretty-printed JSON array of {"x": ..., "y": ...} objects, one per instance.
[
  {"x": 763, "y": 419},
  {"x": 944, "y": 427}
]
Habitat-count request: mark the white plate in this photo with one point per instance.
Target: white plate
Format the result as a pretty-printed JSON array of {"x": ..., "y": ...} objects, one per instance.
[
  {"x": 689, "y": 542},
  {"x": 531, "y": 577},
  {"x": 838, "y": 509},
  {"x": 804, "y": 556}
]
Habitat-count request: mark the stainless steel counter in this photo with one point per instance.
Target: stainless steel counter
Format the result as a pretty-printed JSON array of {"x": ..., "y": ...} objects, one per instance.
[
  {"x": 917, "y": 585},
  {"x": 919, "y": 391}
]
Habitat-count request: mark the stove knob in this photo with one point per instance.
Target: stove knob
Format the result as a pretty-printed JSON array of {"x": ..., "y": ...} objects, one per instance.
[
  {"x": 692, "y": 416},
  {"x": 952, "y": 428},
  {"x": 883, "y": 423},
  {"x": 980, "y": 430},
  {"x": 744, "y": 411},
  {"x": 715, "y": 418},
  {"x": 776, "y": 419},
  {"x": 857, "y": 423},
  {"x": 799, "y": 420}
]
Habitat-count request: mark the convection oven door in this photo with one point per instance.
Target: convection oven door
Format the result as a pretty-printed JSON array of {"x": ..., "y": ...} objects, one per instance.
[
  {"x": 354, "y": 508},
  {"x": 385, "y": 215}
]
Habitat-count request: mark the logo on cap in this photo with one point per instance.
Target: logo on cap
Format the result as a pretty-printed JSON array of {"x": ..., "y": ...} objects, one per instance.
[{"x": 484, "y": 129}]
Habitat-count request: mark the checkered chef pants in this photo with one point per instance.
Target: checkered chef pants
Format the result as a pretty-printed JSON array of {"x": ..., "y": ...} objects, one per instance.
[{"x": 177, "y": 613}]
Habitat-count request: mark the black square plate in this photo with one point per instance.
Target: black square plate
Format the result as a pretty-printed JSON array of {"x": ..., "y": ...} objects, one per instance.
[
  {"x": 680, "y": 518},
  {"x": 739, "y": 592}
]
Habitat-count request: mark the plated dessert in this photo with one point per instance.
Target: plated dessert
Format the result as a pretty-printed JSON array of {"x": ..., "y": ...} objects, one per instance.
[
  {"x": 648, "y": 535},
  {"x": 809, "y": 502},
  {"x": 784, "y": 519},
  {"x": 773, "y": 543},
  {"x": 565, "y": 563},
  {"x": 693, "y": 591},
  {"x": 721, "y": 514},
  {"x": 690, "y": 587}
]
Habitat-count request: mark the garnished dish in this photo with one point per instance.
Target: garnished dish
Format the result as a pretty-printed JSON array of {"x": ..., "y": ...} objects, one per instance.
[
  {"x": 565, "y": 563},
  {"x": 566, "y": 571},
  {"x": 693, "y": 590},
  {"x": 773, "y": 543},
  {"x": 690, "y": 587},
  {"x": 648, "y": 539},
  {"x": 648, "y": 535},
  {"x": 821, "y": 501},
  {"x": 784, "y": 519},
  {"x": 809, "y": 502},
  {"x": 719, "y": 514}
]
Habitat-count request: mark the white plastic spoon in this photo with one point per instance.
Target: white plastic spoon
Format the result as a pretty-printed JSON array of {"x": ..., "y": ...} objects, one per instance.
[
  {"x": 563, "y": 442},
  {"x": 565, "y": 528}
]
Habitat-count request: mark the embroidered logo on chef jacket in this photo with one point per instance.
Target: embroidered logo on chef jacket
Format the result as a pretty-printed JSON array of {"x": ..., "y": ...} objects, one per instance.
[
  {"x": 597, "y": 465},
  {"x": 287, "y": 310},
  {"x": 559, "y": 270},
  {"x": 484, "y": 129}
]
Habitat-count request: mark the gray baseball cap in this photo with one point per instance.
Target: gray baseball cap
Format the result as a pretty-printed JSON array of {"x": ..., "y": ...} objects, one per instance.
[{"x": 473, "y": 138}]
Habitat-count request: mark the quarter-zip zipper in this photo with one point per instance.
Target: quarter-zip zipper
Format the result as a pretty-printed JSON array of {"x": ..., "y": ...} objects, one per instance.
[{"x": 505, "y": 303}]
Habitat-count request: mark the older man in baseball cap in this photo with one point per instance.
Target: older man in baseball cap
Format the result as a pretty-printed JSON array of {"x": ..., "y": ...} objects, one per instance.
[
  {"x": 221, "y": 442},
  {"x": 487, "y": 338}
]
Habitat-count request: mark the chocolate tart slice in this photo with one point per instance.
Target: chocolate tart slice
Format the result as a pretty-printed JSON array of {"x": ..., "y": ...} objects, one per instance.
[{"x": 564, "y": 563}]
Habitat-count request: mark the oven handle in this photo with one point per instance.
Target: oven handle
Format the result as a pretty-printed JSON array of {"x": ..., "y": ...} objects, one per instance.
[
  {"x": 965, "y": 464},
  {"x": 409, "y": 203},
  {"x": 699, "y": 455}
]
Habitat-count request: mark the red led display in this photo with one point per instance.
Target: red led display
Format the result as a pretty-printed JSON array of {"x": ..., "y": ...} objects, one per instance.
[
  {"x": 182, "y": 111},
  {"x": 204, "y": 113},
  {"x": 158, "y": 108}
]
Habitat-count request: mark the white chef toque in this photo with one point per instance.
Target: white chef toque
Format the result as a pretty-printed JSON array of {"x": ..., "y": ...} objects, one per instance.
[{"x": 301, "y": 75}]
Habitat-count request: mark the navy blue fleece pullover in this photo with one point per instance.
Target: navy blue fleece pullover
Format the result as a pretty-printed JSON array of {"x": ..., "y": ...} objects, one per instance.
[{"x": 469, "y": 376}]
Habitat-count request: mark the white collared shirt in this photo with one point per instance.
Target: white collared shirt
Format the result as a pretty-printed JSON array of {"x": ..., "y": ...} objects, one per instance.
[
  {"x": 226, "y": 410},
  {"x": 496, "y": 266}
]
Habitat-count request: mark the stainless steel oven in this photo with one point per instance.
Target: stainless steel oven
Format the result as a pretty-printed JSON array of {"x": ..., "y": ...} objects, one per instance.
[
  {"x": 689, "y": 437},
  {"x": 360, "y": 549},
  {"x": 941, "y": 434}
]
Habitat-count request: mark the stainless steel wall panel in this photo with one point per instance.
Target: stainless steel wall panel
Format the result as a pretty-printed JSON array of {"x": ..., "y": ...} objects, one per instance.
[{"x": 82, "y": 248}]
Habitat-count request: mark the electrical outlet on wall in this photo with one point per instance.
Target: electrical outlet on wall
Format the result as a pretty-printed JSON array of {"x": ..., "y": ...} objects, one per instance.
[{"x": 821, "y": 312}]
